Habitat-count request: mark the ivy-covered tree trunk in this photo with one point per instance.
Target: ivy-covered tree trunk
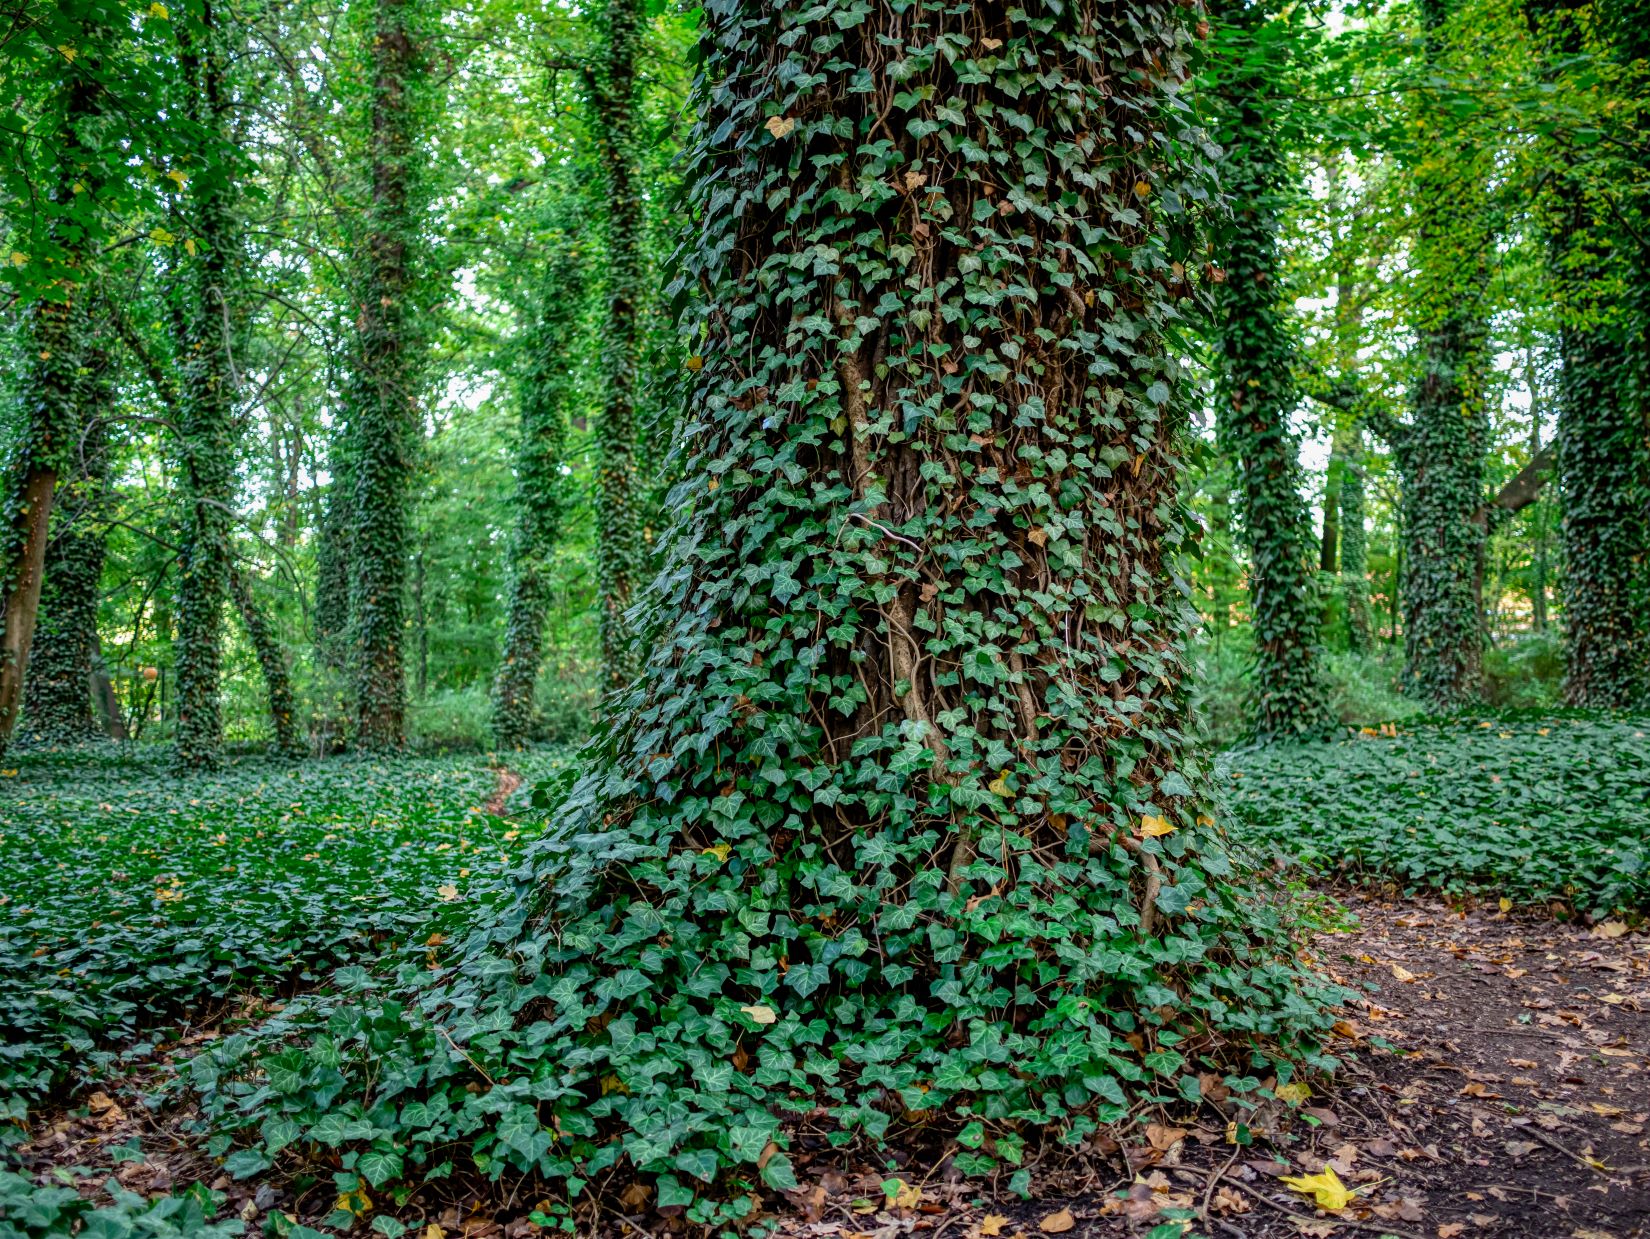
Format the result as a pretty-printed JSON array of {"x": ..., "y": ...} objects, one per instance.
[
  {"x": 619, "y": 553},
  {"x": 1604, "y": 471},
  {"x": 207, "y": 396},
  {"x": 59, "y": 703},
  {"x": 53, "y": 337},
  {"x": 384, "y": 411},
  {"x": 904, "y": 804},
  {"x": 266, "y": 647},
  {"x": 1441, "y": 450},
  {"x": 1256, "y": 393},
  {"x": 541, "y": 493},
  {"x": 1354, "y": 565},
  {"x": 1603, "y": 457}
]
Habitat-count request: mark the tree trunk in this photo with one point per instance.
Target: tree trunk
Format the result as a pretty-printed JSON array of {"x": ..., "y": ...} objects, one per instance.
[
  {"x": 618, "y": 533},
  {"x": 65, "y": 635},
  {"x": 103, "y": 692},
  {"x": 283, "y": 712},
  {"x": 1354, "y": 567},
  {"x": 1441, "y": 453},
  {"x": 207, "y": 397},
  {"x": 384, "y": 414},
  {"x": 1255, "y": 397},
  {"x": 895, "y": 787},
  {"x": 53, "y": 337},
  {"x": 541, "y": 498}
]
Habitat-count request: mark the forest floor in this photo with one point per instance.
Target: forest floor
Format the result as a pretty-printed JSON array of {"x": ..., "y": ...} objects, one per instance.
[{"x": 1496, "y": 1080}]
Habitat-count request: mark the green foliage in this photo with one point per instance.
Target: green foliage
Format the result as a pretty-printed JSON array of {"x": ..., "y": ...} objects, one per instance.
[
  {"x": 1530, "y": 808},
  {"x": 134, "y": 898},
  {"x": 33, "y": 1210}
]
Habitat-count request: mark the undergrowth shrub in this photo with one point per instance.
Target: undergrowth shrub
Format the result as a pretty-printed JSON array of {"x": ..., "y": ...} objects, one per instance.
[
  {"x": 1533, "y": 808},
  {"x": 1361, "y": 689}
]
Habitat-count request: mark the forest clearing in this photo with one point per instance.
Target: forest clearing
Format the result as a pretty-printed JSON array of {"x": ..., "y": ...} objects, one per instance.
[{"x": 838, "y": 620}]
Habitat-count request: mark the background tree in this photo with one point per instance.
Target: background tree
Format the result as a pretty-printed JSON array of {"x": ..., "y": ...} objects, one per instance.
[
  {"x": 545, "y": 385},
  {"x": 384, "y": 411},
  {"x": 1256, "y": 390}
]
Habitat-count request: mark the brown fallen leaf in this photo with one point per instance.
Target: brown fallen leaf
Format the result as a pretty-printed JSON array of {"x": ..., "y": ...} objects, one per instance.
[
  {"x": 1451, "y": 1229},
  {"x": 992, "y": 1224},
  {"x": 1400, "y": 973},
  {"x": 1520, "y": 1148},
  {"x": 1164, "y": 1138},
  {"x": 1057, "y": 1223}
]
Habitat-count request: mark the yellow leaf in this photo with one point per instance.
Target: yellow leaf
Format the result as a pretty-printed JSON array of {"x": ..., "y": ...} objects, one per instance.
[
  {"x": 157, "y": 9},
  {"x": 720, "y": 851},
  {"x": 991, "y": 45},
  {"x": 1400, "y": 973},
  {"x": 1152, "y": 826},
  {"x": 189, "y": 246},
  {"x": 1294, "y": 1093},
  {"x": 1325, "y": 1188},
  {"x": 1504, "y": 904},
  {"x": 68, "y": 53},
  {"x": 432, "y": 1231},
  {"x": 356, "y": 1202},
  {"x": 779, "y": 126},
  {"x": 17, "y": 259},
  {"x": 999, "y": 785},
  {"x": 1142, "y": 189},
  {"x": 161, "y": 237},
  {"x": 1057, "y": 1223},
  {"x": 712, "y": 484},
  {"x": 761, "y": 1014},
  {"x": 448, "y": 893},
  {"x": 695, "y": 362},
  {"x": 905, "y": 1195},
  {"x": 992, "y": 1224}
]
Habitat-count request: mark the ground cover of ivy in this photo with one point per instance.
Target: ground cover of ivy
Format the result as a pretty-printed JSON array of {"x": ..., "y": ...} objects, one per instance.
[
  {"x": 135, "y": 899},
  {"x": 1536, "y": 809}
]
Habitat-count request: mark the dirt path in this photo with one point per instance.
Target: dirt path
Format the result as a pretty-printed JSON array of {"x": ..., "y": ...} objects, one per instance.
[{"x": 1514, "y": 1102}]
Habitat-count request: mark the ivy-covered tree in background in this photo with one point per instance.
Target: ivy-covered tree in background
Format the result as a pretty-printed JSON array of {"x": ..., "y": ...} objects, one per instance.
[
  {"x": 1441, "y": 449},
  {"x": 1603, "y": 457},
  {"x": 211, "y": 267},
  {"x": 59, "y": 700},
  {"x": 387, "y": 371},
  {"x": 1255, "y": 389},
  {"x": 55, "y": 328},
  {"x": 619, "y": 551},
  {"x": 544, "y": 387}
]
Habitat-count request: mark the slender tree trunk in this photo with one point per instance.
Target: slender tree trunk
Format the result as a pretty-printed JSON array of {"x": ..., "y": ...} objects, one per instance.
[
  {"x": 1538, "y": 565},
  {"x": 618, "y": 533},
  {"x": 384, "y": 415},
  {"x": 207, "y": 393},
  {"x": 266, "y": 646},
  {"x": 1354, "y": 566},
  {"x": 60, "y": 677},
  {"x": 1329, "y": 537},
  {"x": 1256, "y": 395},
  {"x": 541, "y": 498},
  {"x": 1441, "y": 452},
  {"x": 103, "y": 692}
]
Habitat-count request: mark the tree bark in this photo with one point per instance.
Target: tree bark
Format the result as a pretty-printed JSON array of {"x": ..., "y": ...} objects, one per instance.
[{"x": 266, "y": 646}]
